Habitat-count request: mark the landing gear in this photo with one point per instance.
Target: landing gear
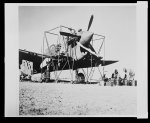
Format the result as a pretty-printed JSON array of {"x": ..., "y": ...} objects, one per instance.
[
  {"x": 46, "y": 76},
  {"x": 80, "y": 78},
  {"x": 47, "y": 80}
]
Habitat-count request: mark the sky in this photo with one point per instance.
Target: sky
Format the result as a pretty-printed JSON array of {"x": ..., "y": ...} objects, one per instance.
[{"x": 116, "y": 23}]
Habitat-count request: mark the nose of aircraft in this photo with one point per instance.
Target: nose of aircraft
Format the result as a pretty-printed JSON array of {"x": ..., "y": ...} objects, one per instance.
[{"x": 86, "y": 37}]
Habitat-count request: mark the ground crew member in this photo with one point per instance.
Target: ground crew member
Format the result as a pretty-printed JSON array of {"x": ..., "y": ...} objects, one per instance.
[{"x": 125, "y": 81}]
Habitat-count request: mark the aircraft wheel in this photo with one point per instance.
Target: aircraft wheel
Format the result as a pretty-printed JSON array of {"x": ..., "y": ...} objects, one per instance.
[
  {"x": 81, "y": 78},
  {"x": 47, "y": 80}
]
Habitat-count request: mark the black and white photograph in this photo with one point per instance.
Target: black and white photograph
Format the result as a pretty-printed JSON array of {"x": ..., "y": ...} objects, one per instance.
[{"x": 76, "y": 60}]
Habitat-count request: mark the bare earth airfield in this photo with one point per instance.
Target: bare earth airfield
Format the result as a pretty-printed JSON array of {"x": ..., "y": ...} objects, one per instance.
[{"x": 76, "y": 99}]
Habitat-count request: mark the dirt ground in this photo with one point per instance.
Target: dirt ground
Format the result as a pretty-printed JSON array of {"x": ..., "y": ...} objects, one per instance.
[{"x": 76, "y": 99}]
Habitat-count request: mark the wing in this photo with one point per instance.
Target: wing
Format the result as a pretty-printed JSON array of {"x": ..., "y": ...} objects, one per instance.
[
  {"x": 94, "y": 62},
  {"x": 107, "y": 62},
  {"x": 36, "y": 58}
]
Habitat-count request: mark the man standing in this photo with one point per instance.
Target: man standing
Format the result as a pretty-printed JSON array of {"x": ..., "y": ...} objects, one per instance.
[
  {"x": 125, "y": 81},
  {"x": 112, "y": 79},
  {"x": 116, "y": 77}
]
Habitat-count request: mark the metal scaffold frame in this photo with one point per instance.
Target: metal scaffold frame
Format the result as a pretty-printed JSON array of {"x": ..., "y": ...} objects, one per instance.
[{"x": 89, "y": 74}]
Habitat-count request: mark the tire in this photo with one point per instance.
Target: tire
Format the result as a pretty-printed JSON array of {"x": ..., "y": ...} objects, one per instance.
[
  {"x": 47, "y": 80},
  {"x": 81, "y": 78}
]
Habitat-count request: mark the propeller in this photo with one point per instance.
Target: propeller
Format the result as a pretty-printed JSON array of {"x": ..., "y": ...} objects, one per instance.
[
  {"x": 87, "y": 49},
  {"x": 90, "y": 22}
]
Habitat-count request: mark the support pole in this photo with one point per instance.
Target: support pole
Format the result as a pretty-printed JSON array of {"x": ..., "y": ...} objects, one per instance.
[
  {"x": 49, "y": 52},
  {"x": 76, "y": 75},
  {"x": 42, "y": 58},
  {"x": 104, "y": 58},
  {"x": 87, "y": 76}
]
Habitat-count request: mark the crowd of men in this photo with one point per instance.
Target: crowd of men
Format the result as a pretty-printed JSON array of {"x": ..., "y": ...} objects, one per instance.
[{"x": 117, "y": 80}]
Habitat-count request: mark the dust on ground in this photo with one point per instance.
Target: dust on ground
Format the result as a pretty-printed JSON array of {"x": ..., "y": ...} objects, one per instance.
[{"x": 76, "y": 99}]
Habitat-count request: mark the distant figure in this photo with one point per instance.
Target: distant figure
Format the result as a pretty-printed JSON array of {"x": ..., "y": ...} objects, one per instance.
[
  {"x": 125, "y": 80},
  {"x": 120, "y": 81},
  {"x": 112, "y": 79},
  {"x": 131, "y": 77},
  {"x": 116, "y": 77},
  {"x": 112, "y": 75},
  {"x": 135, "y": 82},
  {"x": 105, "y": 79}
]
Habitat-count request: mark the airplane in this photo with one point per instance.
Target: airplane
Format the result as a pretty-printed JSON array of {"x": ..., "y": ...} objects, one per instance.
[{"x": 77, "y": 53}]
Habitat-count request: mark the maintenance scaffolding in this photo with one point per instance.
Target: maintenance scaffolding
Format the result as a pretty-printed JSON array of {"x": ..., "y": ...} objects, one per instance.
[{"x": 56, "y": 55}]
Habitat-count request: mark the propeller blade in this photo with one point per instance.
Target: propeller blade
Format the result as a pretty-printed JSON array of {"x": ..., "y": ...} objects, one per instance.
[
  {"x": 69, "y": 34},
  {"x": 91, "y": 47},
  {"x": 90, "y": 22},
  {"x": 87, "y": 49}
]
